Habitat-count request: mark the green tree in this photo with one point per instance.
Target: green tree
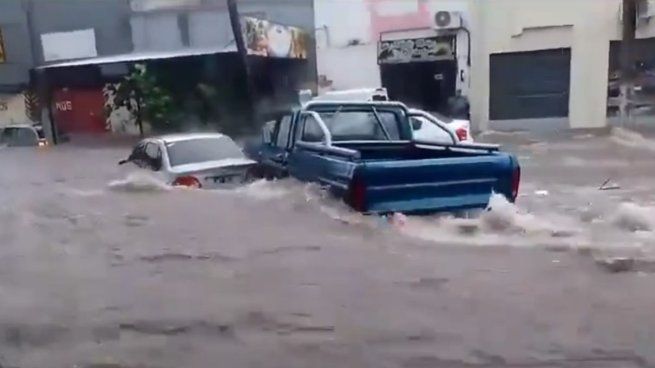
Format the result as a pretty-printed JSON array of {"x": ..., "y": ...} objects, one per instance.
[{"x": 154, "y": 104}]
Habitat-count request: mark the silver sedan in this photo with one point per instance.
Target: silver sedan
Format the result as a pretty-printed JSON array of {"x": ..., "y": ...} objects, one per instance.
[{"x": 199, "y": 160}]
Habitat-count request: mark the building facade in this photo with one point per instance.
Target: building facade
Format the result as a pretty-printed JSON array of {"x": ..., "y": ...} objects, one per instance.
[
  {"x": 560, "y": 58},
  {"x": 84, "y": 47},
  {"x": 15, "y": 61},
  {"x": 534, "y": 64},
  {"x": 395, "y": 44}
]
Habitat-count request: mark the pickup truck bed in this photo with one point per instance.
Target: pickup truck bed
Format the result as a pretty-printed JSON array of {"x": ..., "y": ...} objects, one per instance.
[{"x": 407, "y": 177}]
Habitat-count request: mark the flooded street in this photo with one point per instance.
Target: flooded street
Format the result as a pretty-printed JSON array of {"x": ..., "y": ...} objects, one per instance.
[{"x": 104, "y": 267}]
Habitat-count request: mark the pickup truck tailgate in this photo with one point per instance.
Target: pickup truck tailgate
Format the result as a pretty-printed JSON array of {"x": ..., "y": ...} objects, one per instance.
[{"x": 432, "y": 185}]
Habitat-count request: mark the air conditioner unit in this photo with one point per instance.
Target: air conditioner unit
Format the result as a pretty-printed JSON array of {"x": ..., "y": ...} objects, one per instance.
[{"x": 447, "y": 20}]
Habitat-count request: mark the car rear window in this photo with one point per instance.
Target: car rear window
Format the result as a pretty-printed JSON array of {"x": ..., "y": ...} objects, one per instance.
[
  {"x": 360, "y": 125},
  {"x": 202, "y": 150}
]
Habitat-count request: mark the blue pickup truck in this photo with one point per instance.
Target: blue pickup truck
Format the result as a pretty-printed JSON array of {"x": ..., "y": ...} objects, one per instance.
[{"x": 364, "y": 153}]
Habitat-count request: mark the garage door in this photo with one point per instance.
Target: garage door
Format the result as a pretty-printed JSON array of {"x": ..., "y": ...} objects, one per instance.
[
  {"x": 79, "y": 111},
  {"x": 526, "y": 85}
]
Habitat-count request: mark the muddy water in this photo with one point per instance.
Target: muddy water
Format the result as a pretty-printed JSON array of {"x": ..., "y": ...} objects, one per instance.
[{"x": 101, "y": 266}]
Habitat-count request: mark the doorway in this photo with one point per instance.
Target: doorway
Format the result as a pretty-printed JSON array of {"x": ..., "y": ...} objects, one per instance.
[{"x": 426, "y": 85}]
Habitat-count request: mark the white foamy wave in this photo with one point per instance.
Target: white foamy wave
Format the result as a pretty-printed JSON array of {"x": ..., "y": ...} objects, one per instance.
[
  {"x": 633, "y": 217},
  {"x": 265, "y": 190},
  {"x": 139, "y": 182},
  {"x": 502, "y": 223},
  {"x": 630, "y": 138},
  {"x": 502, "y": 217}
]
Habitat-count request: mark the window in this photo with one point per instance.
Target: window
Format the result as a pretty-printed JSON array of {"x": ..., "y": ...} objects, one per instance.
[
  {"x": 312, "y": 131},
  {"x": 282, "y": 139},
  {"x": 430, "y": 132},
  {"x": 362, "y": 125},
  {"x": 153, "y": 156},
  {"x": 202, "y": 150},
  {"x": 152, "y": 151}
]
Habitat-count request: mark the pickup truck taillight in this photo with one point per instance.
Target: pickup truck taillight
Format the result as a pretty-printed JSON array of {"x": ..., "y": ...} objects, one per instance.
[
  {"x": 516, "y": 179},
  {"x": 357, "y": 194}
]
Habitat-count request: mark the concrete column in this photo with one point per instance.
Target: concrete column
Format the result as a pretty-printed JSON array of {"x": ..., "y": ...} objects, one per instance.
[
  {"x": 589, "y": 75},
  {"x": 479, "y": 71}
]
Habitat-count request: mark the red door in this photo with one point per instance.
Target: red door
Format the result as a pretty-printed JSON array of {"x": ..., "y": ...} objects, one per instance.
[{"x": 79, "y": 111}]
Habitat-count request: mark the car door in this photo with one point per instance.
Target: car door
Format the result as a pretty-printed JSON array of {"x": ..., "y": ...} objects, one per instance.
[{"x": 274, "y": 154}]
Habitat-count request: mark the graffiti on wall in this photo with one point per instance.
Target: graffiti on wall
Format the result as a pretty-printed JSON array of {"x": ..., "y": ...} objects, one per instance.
[
  {"x": 264, "y": 38},
  {"x": 419, "y": 49}
]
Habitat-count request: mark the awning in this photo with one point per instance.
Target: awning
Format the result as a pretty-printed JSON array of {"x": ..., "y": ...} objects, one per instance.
[{"x": 141, "y": 56}]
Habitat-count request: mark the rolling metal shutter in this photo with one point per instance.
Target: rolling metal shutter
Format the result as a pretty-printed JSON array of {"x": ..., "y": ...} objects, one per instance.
[{"x": 527, "y": 85}]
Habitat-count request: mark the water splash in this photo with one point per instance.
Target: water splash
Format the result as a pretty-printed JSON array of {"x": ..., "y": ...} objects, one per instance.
[
  {"x": 265, "y": 190},
  {"x": 635, "y": 218},
  {"x": 139, "y": 182},
  {"x": 502, "y": 223},
  {"x": 631, "y": 138}
]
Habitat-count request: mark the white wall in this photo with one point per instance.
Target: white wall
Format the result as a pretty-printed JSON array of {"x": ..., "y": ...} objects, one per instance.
[
  {"x": 346, "y": 20},
  {"x": 350, "y": 67},
  {"x": 586, "y": 26}
]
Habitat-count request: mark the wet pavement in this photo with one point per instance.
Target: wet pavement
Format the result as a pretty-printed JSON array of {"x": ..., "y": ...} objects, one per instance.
[{"x": 101, "y": 266}]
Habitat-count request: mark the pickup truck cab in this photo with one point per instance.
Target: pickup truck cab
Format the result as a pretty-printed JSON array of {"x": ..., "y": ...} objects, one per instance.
[{"x": 365, "y": 153}]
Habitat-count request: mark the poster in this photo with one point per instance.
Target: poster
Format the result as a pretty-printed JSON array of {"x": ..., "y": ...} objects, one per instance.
[
  {"x": 264, "y": 38},
  {"x": 419, "y": 49}
]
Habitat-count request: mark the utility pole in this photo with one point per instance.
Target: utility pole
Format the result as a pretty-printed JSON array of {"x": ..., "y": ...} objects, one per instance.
[
  {"x": 629, "y": 16},
  {"x": 242, "y": 50}
]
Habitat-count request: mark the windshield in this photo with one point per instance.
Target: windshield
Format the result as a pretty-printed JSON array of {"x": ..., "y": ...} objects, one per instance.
[
  {"x": 202, "y": 150},
  {"x": 372, "y": 125}
]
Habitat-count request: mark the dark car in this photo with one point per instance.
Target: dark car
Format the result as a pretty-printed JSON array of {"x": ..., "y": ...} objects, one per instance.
[{"x": 22, "y": 136}]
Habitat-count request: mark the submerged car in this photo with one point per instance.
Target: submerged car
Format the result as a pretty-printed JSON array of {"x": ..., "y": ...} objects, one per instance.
[
  {"x": 22, "y": 135},
  {"x": 198, "y": 160}
]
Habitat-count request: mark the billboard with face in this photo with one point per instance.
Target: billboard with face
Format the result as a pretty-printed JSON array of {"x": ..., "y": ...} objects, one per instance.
[{"x": 268, "y": 39}]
